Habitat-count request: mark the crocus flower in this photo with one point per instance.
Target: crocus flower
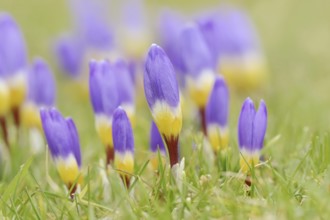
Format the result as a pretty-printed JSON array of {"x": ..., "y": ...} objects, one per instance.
[
  {"x": 40, "y": 93},
  {"x": 251, "y": 132},
  {"x": 233, "y": 39},
  {"x": 217, "y": 115},
  {"x": 135, "y": 36},
  {"x": 13, "y": 57},
  {"x": 104, "y": 98},
  {"x": 63, "y": 142},
  {"x": 162, "y": 94},
  {"x": 70, "y": 52},
  {"x": 170, "y": 27},
  {"x": 123, "y": 141},
  {"x": 126, "y": 89},
  {"x": 200, "y": 67},
  {"x": 156, "y": 145}
]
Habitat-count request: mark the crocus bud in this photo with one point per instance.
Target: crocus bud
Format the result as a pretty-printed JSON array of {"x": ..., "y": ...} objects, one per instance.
[
  {"x": 13, "y": 57},
  {"x": 156, "y": 146},
  {"x": 40, "y": 93},
  {"x": 217, "y": 115},
  {"x": 232, "y": 36},
  {"x": 63, "y": 142},
  {"x": 252, "y": 127},
  {"x": 70, "y": 52},
  {"x": 199, "y": 65},
  {"x": 123, "y": 141},
  {"x": 162, "y": 94},
  {"x": 104, "y": 99},
  {"x": 126, "y": 89}
]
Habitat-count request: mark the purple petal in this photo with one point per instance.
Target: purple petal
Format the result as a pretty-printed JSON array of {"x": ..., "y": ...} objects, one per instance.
[
  {"x": 13, "y": 55},
  {"x": 218, "y": 104},
  {"x": 41, "y": 84},
  {"x": 124, "y": 83},
  {"x": 259, "y": 126},
  {"x": 171, "y": 25},
  {"x": 156, "y": 141},
  {"x": 70, "y": 54},
  {"x": 159, "y": 78},
  {"x": 57, "y": 133},
  {"x": 122, "y": 132},
  {"x": 102, "y": 85},
  {"x": 245, "y": 125},
  {"x": 75, "y": 145},
  {"x": 195, "y": 52}
]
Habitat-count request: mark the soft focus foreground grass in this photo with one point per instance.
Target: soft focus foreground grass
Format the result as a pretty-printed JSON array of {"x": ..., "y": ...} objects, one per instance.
[{"x": 293, "y": 183}]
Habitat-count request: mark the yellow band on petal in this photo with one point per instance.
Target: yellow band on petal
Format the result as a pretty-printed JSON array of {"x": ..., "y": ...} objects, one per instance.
[
  {"x": 154, "y": 161},
  {"x": 218, "y": 137},
  {"x": 17, "y": 89},
  {"x": 104, "y": 129},
  {"x": 31, "y": 116},
  {"x": 244, "y": 74},
  {"x": 199, "y": 89},
  {"x": 124, "y": 162},
  {"x": 248, "y": 161},
  {"x": 4, "y": 99},
  {"x": 68, "y": 169},
  {"x": 167, "y": 119}
]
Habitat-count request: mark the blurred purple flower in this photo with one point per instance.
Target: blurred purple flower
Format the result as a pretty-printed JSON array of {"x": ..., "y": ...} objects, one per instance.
[
  {"x": 70, "y": 52},
  {"x": 13, "y": 55},
  {"x": 41, "y": 84},
  {"x": 103, "y": 87}
]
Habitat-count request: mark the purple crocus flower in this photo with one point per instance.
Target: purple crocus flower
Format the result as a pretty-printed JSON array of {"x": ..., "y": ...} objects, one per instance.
[
  {"x": 13, "y": 59},
  {"x": 235, "y": 45},
  {"x": 13, "y": 55},
  {"x": 252, "y": 127},
  {"x": 70, "y": 52},
  {"x": 41, "y": 84},
  {"x": 63, "y": 142},
  {"x": 200, "y": 68},
  {"x": 162, "y": 94},
  {"x": 216, "y": 114},
  {"x": 105, "y": 99},
  {"x": 123, "y": 141},
  {"x": 171, "y": 25},
  {"x": 91, "y": 21},
  {"x": 40, "y": 93},
  {"x": 126, "y": 89}
]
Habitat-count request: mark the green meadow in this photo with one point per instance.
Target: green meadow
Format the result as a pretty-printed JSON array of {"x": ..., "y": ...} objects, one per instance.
[{"x": 292, "y": 182}]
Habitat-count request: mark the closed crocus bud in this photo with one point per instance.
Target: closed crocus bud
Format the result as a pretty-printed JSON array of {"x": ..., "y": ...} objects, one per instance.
[
  {"x": 123, "y": 141},
  {"x": 104, "y": 98},
  {"x": 170, "y": 27},
  {"x": 126, "y": 89},
  {"x": 156, "y": 146},
  {"x": 40, "y": 93},
  {"x": 13, "y": 57},
  {"x": 63, "y": 142},
  {"x": 70, "y": 52},
  {"x": 252, "y": 127},
  {"x": 217, "y": 115},
  {"x": 239, "y": 53},
  {"x": 199, "y": 64},
  {"x": 162, "y": 94}
]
